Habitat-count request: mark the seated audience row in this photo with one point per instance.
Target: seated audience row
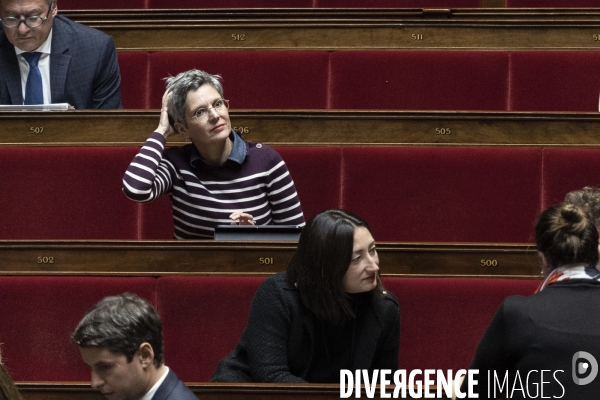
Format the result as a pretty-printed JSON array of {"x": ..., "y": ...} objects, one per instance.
[
  {"x": 332, "y": 284},
  {"x": 78, "y": 65},
  {"x": 204, "y": 317},
  {"x": 390, "y": 186},
  {"x": 328, "y": 312}
]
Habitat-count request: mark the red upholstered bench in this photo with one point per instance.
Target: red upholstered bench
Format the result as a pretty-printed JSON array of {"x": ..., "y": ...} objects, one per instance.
[
  {"x": 554, "y": 81},
  {"x": 229, "y": 3},
  {"x": 317, "y": 176},
  {"x": 66, "y": 193},
  {"x": 419, "y": 80},
  {"x": 398, "y": 4},
  {"x": 156, "y": 219},
  {"x": 203, "y": 319},
  {"x": 101, "y": 4},
  {"x": 40, "y": 313},
  {"x": 134, "y": 79},
  {"x": 567, "y": 169},
  {"x": 441, "y": 194},
  {"x": 409, "y": 194},
  {"x": 552, "y": 3},
  {"x": 443, "y": 319},
  {"x": 252, "y": 79}
]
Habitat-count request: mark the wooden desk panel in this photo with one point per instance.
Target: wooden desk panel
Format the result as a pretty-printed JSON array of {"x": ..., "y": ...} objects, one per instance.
[
  {"x": 204, "y": 391},
  {"x": 156, "y": 258},
  {"x": 323, "y": 127},
  {"x": 337, "y": 29}
]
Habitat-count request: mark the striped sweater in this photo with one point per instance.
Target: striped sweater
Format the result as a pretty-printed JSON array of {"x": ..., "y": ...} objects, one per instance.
[{"x": 203, "y": 196}]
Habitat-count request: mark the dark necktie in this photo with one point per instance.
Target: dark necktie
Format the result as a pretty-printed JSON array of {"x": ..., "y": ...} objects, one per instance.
[{"x": 34, "y": 93}]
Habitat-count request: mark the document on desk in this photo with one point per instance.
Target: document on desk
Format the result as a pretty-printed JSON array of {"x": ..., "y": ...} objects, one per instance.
[{"x": 37, "y": 107}]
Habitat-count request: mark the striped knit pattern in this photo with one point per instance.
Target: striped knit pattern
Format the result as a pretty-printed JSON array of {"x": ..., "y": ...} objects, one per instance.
[{"x": 205, "y": 196}]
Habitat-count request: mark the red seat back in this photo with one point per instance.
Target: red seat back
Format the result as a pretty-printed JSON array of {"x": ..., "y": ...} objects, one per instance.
[
  {"x": 399, "y": 4},
  {"x": 316, "y": 173},
  {"x": 552, "y": 3},
  {"x": 66, "y": 193},
  {"x": 443, "y": 319},
  {"x": 554, "y": 81},
  {"x": 101, "y": 4},
  {"x": 419, "y": 80},
  {"x": 436, "y": 194},
  {"x": 253, "y": 79},
  {"x": 229, "y": 3},
  {"x": 567, "y": 169},
  {"x": 134, "y": 79},
  {"x": 40, "y": 313},
  {"x": 203, "y": 319}
]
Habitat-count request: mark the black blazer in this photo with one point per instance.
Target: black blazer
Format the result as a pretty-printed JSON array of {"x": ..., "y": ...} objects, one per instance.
[
  {"x": 542, "y": 332},
  {"x": 279, "y": 343},
  {"x": 173, "y": 389},
  {"x": 84, "y": 71}
]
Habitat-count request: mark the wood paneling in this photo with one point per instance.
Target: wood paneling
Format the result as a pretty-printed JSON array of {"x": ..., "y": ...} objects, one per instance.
[
  {"x": 204, "y": 391},
  {"x": 156, "y": 258},
  {"x": 132, "y": 127},
  {"x": 335, "y": 29}
]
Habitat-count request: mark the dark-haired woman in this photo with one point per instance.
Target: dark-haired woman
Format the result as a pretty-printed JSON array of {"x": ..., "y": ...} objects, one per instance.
[
  {"x": 327, "y": 312},
  {"x": 530, "y": 348}
]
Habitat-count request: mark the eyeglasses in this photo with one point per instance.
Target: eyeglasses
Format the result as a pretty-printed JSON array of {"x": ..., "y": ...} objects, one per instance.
[
  {"x": 220, "y": 106},
  {"x": 32, "y": 22}
]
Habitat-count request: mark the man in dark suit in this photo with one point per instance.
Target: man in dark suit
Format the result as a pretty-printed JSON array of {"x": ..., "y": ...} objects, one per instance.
[
  {"x": 78, "y": 64},
  {"x": 120, "y": 338}
]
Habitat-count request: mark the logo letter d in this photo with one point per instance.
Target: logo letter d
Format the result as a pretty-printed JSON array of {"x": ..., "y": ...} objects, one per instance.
[{"x": 592, "y": 363}]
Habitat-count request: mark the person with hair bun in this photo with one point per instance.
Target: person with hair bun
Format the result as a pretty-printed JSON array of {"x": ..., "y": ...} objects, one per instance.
[
  {"x": 540, "y": 346},
  {"x": 326, "y": 313},
  {"x": 588, "y": 199}
]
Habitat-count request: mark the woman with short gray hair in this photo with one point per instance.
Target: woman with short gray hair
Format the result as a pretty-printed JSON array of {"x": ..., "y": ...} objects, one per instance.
[{"x": 217, "y": 179}]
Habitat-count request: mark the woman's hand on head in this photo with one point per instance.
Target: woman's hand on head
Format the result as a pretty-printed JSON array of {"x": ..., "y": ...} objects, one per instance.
[
  {"x": 241, "y": 218},
  {"x": 164, "y": 126}
]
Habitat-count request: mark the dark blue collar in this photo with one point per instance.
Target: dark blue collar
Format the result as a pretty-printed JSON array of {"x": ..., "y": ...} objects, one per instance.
[{"x": 237, "y": 155}]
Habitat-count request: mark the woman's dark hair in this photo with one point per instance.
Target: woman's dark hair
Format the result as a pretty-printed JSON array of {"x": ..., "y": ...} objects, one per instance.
[
  {"x": 319, "y": 264},
  {"x": 588, "y": 199},
  {"x": 565, "y": 235}
]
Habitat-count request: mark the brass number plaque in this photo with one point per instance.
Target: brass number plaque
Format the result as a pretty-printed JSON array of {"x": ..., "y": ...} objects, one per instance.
[
  {"x": 416, "y": 36},
  {"x": 238, "y": 37},
  {"x": 266, "y": 261},
  {"x": 36, "y": 129},
  {"x": 489, "y": 263},
  {"x": 241, "y": 129},
  {"x": 443, "y": 131},
  {"x": 45, "y": 260}
]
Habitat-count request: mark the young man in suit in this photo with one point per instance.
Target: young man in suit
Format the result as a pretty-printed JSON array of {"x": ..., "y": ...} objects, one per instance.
[
  {"x": 120, "y": 338},
  {"x": 72, "y": 64}
]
